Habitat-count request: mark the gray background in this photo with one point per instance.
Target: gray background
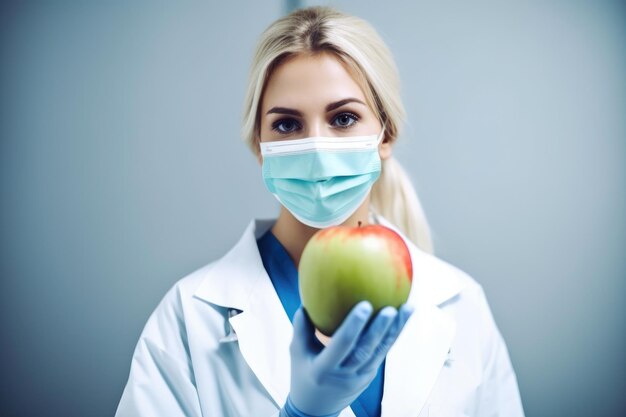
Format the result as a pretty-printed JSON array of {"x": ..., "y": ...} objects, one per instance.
[{"x": 121, "y": 171}]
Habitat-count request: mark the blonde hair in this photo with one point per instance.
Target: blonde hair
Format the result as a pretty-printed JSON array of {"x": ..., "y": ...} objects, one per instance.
[{"x": 356, "y": 44}]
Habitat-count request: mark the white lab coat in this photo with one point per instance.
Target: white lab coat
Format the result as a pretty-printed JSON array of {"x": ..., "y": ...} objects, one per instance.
[{"x": 218, "y": 345}]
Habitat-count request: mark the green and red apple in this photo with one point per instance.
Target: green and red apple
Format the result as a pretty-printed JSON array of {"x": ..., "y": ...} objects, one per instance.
[{"x": 341, "y": 266}]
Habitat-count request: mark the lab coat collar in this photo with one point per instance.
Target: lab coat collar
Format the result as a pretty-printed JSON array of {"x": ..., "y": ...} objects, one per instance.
[
  {"x": 436, "y": 281},
  {"x": 239, "y": 281},
  {"x": 418, "y": 355},
  {"x": 231, "y": 280}
]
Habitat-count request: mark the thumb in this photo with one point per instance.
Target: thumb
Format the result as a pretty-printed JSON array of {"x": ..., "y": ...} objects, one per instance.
[{"x": 304, "y": 339}]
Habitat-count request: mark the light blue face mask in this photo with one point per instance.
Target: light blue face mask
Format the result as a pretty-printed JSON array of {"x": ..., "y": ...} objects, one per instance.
[{"x": 321, "y": 180}]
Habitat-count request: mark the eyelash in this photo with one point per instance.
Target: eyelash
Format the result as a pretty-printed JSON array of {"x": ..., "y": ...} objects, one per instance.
[
  {"x": 347, "y": 113},
  {"x": 277, "y": 123}
]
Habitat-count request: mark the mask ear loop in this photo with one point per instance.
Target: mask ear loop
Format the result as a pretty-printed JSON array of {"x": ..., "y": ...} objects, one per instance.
[
  {"x": 381, "y": 136},
  {"x": 373, "y": 215}
]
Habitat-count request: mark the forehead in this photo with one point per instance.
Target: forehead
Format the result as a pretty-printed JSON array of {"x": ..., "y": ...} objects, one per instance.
[{"x": 310, "y": 81}]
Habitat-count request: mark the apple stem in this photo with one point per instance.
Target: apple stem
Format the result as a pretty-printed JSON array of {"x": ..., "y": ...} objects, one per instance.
[{"x": 360, "y": 223}]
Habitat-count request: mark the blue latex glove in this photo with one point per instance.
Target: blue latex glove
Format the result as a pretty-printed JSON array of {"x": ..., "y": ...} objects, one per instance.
[{"x": 325, "y": 380}]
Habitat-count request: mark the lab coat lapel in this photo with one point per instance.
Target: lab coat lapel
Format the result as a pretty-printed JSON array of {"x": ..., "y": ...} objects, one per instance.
[
  {"x": 263, "y": 330},
  {"x": 415, "y": 360},
  {"x": 264, "y": 333}
]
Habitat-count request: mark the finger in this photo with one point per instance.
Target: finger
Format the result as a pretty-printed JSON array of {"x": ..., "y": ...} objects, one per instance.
[
  {"x": 371, "y": 338},
  {"x": 304, "y": 333},
  {"x": 346, "y": 336},
  {"x": 377, "y": 357}
]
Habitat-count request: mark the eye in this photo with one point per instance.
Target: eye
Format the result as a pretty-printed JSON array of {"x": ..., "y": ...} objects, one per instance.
[
  {"x": 344, "y": 120},
  {"x": 285, "y": 126}
]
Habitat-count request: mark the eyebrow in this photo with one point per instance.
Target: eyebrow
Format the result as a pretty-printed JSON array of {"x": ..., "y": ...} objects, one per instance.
[
  {"x": 329, "y": 107},
  {"x": 284, "y": 110},
  {"x": 337, "y": 104}
]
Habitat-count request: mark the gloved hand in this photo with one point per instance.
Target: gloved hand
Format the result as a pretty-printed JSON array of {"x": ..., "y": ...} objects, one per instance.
[{"x": 325, "y": 380}]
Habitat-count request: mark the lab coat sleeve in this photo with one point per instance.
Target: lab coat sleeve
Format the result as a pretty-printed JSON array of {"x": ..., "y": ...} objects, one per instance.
[
  {"x": 499, "y": 393},
  {"x": 161, "y": 380}
]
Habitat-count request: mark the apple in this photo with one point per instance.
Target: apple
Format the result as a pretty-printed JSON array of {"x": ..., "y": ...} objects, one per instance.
[{"x": 342, "y": 265}]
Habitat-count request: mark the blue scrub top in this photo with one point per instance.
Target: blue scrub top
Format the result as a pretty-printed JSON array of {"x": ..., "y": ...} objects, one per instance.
[{"x": 284, "y": 276}]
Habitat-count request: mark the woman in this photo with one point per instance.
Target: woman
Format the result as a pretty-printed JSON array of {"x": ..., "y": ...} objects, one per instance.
[{"x": 231, "y": 339}]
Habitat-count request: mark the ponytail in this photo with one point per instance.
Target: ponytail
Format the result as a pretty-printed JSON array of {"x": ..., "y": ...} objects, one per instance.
[{"x": 394, "y": 198}]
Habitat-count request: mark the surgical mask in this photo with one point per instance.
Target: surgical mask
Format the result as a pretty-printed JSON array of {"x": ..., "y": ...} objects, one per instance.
[{"x": 321, "y": 180}]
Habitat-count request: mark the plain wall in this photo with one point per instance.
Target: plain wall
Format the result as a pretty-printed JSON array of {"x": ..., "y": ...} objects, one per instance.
[{"x": 122, "y": 170}]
